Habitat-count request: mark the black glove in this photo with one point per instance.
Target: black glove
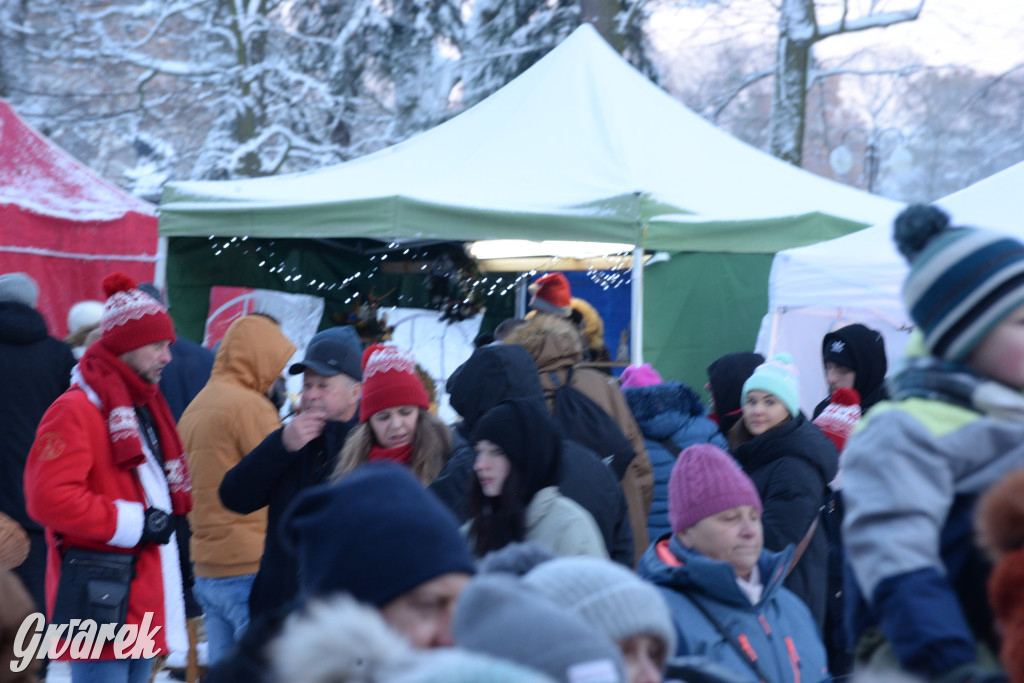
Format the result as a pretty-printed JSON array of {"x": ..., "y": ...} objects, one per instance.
[{"x": 157, "y": 527}]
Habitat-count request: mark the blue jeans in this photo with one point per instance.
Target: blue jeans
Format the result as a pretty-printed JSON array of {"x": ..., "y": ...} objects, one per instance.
[
  {"x": 111, "y": 671},
  {"x": 225, "y": 604}
]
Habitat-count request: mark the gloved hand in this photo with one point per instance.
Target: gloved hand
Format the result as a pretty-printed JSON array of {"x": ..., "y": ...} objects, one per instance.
[
  {"x": 973, "y": 673},
  {"x": 157, "y": 527}
]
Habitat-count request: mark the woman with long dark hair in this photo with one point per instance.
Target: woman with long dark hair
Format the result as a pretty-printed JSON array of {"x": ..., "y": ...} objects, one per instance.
[{"x": 514, "y": 496}]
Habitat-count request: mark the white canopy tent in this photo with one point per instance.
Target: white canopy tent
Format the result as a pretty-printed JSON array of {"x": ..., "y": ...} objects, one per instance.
[{"x": 857, "y": 278}]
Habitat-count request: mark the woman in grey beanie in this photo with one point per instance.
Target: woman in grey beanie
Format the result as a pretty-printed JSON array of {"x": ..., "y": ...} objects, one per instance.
[{"x": 616, "y": 602}]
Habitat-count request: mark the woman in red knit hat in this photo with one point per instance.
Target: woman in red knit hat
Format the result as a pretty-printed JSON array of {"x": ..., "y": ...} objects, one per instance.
[{"x": 397, "y": 424}]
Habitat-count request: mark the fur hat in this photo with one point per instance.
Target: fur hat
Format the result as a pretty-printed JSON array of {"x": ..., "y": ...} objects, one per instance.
[
  {"x": 999, "y": 521},
  {"x": 840, "y": 416},
  {"x": 19, "y": 288},
  {"x": 131, "y": 318},
  {"x": 499, "y": 616},
  {"x": 83, "y": 314},
  {"x": 608, "y": 596},
  {"x": 358, "y": 535},
  {"x": 389, "y": 380},
  {"x": 639, "y": 376},
  {"x": 778, "y": 377},
  {"x": 705, "y": 480},
  {"x": 962, "y": 281},
  {"x": 551, "y": 294}
]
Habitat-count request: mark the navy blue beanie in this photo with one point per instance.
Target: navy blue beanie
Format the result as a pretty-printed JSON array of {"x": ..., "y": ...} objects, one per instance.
[{"x": 376, "y": 534}]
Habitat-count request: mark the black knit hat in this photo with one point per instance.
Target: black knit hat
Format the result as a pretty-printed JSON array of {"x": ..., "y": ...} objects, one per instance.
[
  {"x": 523, "y": 429},
  {"x": 377, "y": 534}
]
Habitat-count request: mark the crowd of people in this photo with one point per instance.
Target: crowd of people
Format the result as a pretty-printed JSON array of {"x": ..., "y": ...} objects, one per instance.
[{"x": 569, "y": 526}]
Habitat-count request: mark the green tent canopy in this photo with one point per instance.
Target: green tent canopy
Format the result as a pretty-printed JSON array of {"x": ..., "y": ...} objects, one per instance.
[{"x": 579, "y": 147}]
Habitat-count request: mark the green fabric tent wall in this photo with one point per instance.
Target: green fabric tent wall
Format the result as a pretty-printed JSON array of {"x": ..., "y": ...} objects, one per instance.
[{"x": 579, "y": 147}]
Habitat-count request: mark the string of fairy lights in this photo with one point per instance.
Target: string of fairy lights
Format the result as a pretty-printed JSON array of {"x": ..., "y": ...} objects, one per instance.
[{"x": 615, "y": 275}]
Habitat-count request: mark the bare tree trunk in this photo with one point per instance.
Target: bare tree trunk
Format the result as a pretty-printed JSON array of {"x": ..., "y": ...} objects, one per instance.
[
  {"x": 12, "y": 46},
  {"x": 601, "y": 15},
  {"x": 797, "y": 33}
]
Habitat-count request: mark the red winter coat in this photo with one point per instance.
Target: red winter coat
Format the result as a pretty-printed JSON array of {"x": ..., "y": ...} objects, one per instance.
[{"x": 71, "y": 485}]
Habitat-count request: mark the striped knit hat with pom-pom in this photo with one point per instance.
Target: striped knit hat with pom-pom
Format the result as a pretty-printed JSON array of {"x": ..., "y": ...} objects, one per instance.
[
  {"x": 962, "y": 281},
  {"x": 131, "y": 318}
]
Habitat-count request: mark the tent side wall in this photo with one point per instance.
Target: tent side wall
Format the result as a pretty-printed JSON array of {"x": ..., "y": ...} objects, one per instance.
[
  {"x": 69, "y": 258},
  {"x": 699, "y": 306}
]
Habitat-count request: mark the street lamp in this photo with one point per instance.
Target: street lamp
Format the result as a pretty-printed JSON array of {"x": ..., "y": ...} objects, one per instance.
[{"x": 899, "y": 159}]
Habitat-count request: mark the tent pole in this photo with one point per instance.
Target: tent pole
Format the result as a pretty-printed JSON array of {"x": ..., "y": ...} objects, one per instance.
[
  {"x": 636, "y": 333},
  {"x": 521, "y": 298},
  {"x": 160, "y": 275}
]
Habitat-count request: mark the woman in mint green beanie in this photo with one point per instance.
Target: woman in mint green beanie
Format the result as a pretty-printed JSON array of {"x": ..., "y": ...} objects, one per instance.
[{"x": 791, "y": 462}]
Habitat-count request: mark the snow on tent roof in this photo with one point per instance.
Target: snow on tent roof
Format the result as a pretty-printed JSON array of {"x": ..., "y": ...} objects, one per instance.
[
  {"x": 581, "y": 146},
  {"x": 38, "y": 176}
]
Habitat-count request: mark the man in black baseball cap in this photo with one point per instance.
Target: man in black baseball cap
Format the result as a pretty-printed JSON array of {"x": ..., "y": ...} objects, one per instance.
[{"x": 297, "y": 456}]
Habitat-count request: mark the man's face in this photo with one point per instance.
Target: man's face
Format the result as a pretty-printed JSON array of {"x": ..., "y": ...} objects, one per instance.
[
  {"x": 424, "y": 614},
  {"x": 334, "y": 397},
  {"x": 149, "y": 360},
  {"x": 839, "y": 376}
]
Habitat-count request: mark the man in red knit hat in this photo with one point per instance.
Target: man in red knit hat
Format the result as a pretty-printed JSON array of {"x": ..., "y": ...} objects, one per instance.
[{"x": 106, "y": 477}]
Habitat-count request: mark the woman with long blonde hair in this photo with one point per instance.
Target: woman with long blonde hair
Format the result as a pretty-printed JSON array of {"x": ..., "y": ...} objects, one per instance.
[{"x": 396, "y": 423}]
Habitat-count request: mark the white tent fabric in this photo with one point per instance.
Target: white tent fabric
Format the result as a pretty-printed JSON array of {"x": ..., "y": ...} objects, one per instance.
[
  {"x": 579, "y": 134},
  {"x": 857, "y": 278}
]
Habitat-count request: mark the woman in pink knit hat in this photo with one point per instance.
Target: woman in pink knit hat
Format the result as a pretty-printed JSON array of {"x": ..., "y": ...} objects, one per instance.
[
  {"x": 396, "y": 423},
  {"x": 723, "y": 589}
]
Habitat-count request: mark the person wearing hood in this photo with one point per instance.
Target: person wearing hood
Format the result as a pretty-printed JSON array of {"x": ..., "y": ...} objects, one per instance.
[
  {"x": 725, "y": 386},
  {"x": 854, "y": 358},
  {"x": 499, "y": 372},
  {"x": 723, "y": 589},
  {"x": 514, "y": 496},
  {"x": 229, "y": 417},
  {"x": 672, "y": 418},
  {"x": 556, "y": 348},
  {"x": 791, "y": 463},
  {"x": 36, "y": 369}
]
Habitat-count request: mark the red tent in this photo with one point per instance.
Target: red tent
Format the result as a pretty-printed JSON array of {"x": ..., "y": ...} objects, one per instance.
[{"x": 64, "y": 225}]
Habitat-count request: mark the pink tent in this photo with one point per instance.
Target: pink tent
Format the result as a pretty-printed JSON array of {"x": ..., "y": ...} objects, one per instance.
[{"x": 64, "y": 225}]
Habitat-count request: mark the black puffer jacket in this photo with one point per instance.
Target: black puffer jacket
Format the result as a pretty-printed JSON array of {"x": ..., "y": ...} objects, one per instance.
[
  {"x": 791, "y": 466},
  {"x": 499, "y": 372}
]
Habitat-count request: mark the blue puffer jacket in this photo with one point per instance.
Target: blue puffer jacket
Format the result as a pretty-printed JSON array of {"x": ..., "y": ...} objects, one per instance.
[
  {"x": 779, "y": 629},
  {"x": 669, "y": 411}
]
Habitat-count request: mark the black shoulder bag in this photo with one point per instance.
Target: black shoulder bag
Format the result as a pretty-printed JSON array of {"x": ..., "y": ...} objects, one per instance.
[{"x": 94, "y": 584}]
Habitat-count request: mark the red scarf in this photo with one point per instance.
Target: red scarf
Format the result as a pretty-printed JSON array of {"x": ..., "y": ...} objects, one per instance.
[
  {"x": 399, "y": 454},
  {"x": 120, "y": 389}
]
